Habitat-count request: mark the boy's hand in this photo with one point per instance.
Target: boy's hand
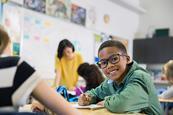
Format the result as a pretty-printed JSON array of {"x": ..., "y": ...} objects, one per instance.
[
  {"x": 84, "y": 99},
  {"x": 101, "y": 103},
  {"x": 37, "y": 107}
]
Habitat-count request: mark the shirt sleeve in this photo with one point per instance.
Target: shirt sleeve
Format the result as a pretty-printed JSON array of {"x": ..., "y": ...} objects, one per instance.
[
  {"x": 80, "y": 58},
  {"x": 131, "y": 98},
  {"x": 168, "y": 93},
  {"x": 26, "y": 79},
  {"x": 57, "y": 64},
  {"x": 99, "y": 93}
]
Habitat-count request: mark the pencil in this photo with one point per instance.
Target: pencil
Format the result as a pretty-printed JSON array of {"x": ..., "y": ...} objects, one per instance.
[{"x": 80, "y": 90}]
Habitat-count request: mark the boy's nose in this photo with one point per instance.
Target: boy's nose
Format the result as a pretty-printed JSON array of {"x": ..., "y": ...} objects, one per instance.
[{"x": 109, "y": 65}]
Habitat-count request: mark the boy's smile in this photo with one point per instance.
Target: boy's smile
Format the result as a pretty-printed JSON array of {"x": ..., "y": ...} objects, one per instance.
[{"x": 113, "y": 63}]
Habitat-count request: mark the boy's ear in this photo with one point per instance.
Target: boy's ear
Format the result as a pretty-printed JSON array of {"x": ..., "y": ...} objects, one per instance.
[{"x": 128, "y": 59}]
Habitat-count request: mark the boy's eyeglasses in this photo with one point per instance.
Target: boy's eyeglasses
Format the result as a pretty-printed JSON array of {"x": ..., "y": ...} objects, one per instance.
[{"x": 113, "y": 59}]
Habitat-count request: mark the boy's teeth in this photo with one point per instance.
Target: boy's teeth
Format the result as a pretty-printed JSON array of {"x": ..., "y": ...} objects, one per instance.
[{"x": 112, "y": 72}]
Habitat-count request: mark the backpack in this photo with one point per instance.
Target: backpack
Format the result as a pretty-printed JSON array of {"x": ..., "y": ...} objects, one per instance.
[{"x": 62, "y": 90}]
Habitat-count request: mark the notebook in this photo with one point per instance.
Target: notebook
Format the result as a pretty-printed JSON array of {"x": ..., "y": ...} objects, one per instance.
[{"x": 91, "y": 106}]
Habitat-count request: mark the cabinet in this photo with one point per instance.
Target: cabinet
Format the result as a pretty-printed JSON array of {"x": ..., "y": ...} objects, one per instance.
[{"x": 153, "y": 50}]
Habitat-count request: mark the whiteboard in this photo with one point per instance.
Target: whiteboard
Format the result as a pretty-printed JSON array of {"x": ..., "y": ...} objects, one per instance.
[{"x": 41, "y": 36}]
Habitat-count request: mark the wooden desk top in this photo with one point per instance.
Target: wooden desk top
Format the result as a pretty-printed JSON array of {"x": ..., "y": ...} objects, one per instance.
[
  {"x": 170, "y": 100},
  {"x": 102, "y": 111},
  {"x": 164, "y": 82}
]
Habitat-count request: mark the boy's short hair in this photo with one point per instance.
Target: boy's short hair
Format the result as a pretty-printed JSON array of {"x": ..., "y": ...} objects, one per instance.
[
  {"x": 113, "y": 43},
  {"x": 168, "y": 69}
]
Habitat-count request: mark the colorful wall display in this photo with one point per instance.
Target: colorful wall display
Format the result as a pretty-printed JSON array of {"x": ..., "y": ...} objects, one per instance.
[
  {"x": 37, "y": 5},
  {"x": 58, "y": 8},
  {"x": 41, "y": 35},
  {"x": 12, "y": 22},
  {"x": 78, "y": 14},
  {"x": 16, "y": 49},
  {"x": 99, "y": 38}
]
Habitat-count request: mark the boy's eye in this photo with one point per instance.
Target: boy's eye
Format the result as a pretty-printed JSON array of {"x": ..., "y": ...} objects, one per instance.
[
  {"x": 114, "y": 59},
  {"x": 103, "y": 62}
]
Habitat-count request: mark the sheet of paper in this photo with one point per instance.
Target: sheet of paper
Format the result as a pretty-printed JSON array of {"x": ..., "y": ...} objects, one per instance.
[{"x": 92, "y": 106}]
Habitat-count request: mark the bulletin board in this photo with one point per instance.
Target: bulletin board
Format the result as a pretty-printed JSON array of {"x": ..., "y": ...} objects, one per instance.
[{"x": 41, "y": 35}]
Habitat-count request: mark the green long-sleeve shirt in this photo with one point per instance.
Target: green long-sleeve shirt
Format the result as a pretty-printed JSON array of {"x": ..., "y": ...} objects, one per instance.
[{"x": 136, "y": 93}]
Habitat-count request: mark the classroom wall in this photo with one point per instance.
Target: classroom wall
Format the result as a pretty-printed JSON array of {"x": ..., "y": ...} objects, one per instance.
[
  {"x": 158, "y": 15},
  {"x": 40, "y": 34},
  {"x": 0, "y": 13},
  {"x": 123, "y": 22}
]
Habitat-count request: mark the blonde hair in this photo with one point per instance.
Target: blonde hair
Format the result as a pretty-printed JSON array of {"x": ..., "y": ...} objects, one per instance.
[
  {"x": 4, "y": 39},
  {"x": 168, "y": 69}
]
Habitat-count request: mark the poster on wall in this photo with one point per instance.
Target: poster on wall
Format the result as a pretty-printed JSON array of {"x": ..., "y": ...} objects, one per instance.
[
  {"x": 99, "y": 39},
  {"x": 77, "y": 45},
  {"x": 12, "y": 22},
  {"x": 20, "y": 2},
  {"x": 78, "y": 14},
  {"x": 58, "y": 8},
  {"x": 36, "y": 5},
  {"x": 16, "y": 49},
  {"x": 91, "y": 18},
  {"x": 37, "y": 45}
]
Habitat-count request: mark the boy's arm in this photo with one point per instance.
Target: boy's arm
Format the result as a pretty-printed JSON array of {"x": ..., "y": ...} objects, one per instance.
[
  {"x": 56, "y": 103},
  {"x": 100, "y": 92},
  {"x": 132, "y": 97},
  {"x": 94, "y": 95}
]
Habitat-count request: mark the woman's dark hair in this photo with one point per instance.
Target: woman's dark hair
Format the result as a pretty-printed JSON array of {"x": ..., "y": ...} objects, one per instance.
[
  {"x": 113, "y": 43},
  {"x": 62, "y": 45},
  {"x": 4, "y": 39},
  {"x": 91, "y": 74}
]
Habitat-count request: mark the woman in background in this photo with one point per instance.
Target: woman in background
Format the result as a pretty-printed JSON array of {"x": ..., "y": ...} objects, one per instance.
[
  {"x": 66, "y": 64},
  {"x": 19, "y": 80},
  {"x": 92, "y": 76}
]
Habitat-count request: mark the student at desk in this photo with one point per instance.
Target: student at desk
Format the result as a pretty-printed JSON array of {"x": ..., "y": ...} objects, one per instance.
[
  {"x": 19, "y": 80},
  {"x": 128, "y": 88},
  {"x": 168, "y": 73},
  {"x": 92, "y": 76}
]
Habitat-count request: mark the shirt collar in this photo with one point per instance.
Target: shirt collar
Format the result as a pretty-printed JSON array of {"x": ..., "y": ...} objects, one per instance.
[{"x": 4, "y": 55}]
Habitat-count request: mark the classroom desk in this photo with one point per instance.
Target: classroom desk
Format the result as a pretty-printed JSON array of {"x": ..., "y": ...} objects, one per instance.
[
  {"x": 165, "y": 102},
  {"x": 170, "y": 100},
  {"x": 161, "y": 84},
  {"x": 102, "y": 111}
]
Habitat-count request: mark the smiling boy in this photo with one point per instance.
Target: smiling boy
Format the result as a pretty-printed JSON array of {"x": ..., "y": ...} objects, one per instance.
[{"x": 128, "y": 87}]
